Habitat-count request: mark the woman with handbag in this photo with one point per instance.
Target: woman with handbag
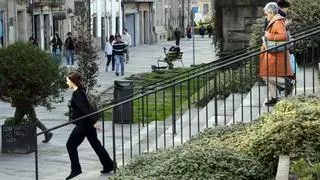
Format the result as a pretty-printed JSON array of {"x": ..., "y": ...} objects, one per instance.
[
  {"x": 83, "y": 129},
  {"x": 274, "y": 64}
]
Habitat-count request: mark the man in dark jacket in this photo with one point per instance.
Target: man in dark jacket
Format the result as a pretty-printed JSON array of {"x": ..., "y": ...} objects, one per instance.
[
  {"x": 119, "y": 48},
  {"x": 69, "y": 50},
  {"x": 177, "y": 36}
]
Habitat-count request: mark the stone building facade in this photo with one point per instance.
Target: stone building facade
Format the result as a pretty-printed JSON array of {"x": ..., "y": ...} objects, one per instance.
[
  {"x": 170, "y": 15},
  {"x": 148, "y": 21},
  {"x": 234, "y": 19},
  {"x": 139, "y": 20},
  {"x": 14, "y": 20}
]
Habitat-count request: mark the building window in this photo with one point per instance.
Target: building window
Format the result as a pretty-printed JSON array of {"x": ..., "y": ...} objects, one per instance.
[
  {"x": 205, "y": 9},
  {"x": 94, "y": 27}
]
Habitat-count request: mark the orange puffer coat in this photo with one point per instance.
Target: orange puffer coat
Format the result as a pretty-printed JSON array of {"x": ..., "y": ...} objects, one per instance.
[{"x": 275, "y": 63}]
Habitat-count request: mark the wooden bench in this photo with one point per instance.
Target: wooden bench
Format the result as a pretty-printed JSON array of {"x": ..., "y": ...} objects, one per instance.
[{"x": 171, "y": 57}]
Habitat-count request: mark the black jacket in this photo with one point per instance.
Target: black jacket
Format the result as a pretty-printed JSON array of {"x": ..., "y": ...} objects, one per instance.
[
  {"x": 56, "y": 43},
  {"x": 80, "y": 107},
  {"x": 69, "y": 44}
]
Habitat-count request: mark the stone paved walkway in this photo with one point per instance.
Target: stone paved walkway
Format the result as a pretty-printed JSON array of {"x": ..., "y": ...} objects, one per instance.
[{"x": 53, "y": 158}]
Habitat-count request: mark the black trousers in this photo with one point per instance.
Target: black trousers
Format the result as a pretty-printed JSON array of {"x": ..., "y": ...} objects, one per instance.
[
  {"x": 177, "y": 41},
  {"x": 75, "y": 139},
  {"x": 110, "y": 59}
]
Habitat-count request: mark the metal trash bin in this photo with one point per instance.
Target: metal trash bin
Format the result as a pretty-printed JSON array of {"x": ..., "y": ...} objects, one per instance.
[{"x": 123, "y": 90}]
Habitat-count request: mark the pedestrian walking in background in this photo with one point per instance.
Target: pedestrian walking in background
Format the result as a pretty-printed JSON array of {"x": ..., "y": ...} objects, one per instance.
[
  {"x": 83, "y": 129},
  {"x": 209, "y": 30},
  {"x": 119, "y": 49},
  {"x": 188, "y": 31},
  {"x": 108, "y": 49},
  {"x": 126, "y": 38},
  {"x": 202, "y": 31},
  {"x": 33, "y": 41},
  {"x": 56, "y": 47},
  {"x": 274, "y": 66},
  {"x": 177, "y": 35},
  {"x": 283, "y": 11},
  {"x": 69, "y": 45}
]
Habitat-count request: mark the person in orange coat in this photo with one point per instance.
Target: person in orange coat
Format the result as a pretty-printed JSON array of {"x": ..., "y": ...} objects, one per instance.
[{"x": 274, "y": 66}]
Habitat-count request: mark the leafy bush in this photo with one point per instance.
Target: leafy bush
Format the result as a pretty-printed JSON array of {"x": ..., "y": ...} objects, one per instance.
[
  {"x": 303, "y": 13},
  {"x": 292, "y": 129},
  {"x": 305, "y": 171},
  {"x": 242, "y": 151},
  {"x": 29, "y": 77},
  {"x": 257, "y": 31},
  {"x": 194, "y": 161}
]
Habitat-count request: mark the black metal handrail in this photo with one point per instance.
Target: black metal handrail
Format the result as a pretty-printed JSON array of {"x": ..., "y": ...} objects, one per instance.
[
  {"x": 199, "y": 69},
  {"x": 228, "y": 64}
]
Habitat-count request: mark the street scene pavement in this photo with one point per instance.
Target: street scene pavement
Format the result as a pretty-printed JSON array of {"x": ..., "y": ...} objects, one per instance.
[{"x": 53, "y": 158}]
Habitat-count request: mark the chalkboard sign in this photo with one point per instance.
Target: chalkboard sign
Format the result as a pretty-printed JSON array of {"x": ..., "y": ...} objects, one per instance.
[{"x": 18, "y": 139}]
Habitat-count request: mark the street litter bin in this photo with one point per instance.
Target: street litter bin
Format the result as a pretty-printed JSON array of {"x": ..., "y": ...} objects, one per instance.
[{"x": 123, "y": 90}]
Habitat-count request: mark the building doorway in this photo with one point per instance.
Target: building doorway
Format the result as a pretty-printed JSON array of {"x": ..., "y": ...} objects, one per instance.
[
  {"x": 103, "y": 34},
  {"x": 21, "y": 32},
  {"x": 37, "y": 34},
  {"x": 146, "y": 27},
  {"x": 2, "y": 29},
  {"x": 46, "y": 31},
  {"x": 118, "y": 25},
  {"x": 130, "y": 21}
]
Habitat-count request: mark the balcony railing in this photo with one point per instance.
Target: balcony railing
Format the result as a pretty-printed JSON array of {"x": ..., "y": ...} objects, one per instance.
[{"x": 49, "y": 2}]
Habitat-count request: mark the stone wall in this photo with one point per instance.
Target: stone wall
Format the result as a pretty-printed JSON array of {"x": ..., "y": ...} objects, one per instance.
[{"x": 234, "y": 19}]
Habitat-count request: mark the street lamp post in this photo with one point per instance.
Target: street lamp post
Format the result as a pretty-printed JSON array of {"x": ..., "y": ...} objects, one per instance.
[
  {"x": 123, "y": 13},
  {"x": 193, "y": 48}
]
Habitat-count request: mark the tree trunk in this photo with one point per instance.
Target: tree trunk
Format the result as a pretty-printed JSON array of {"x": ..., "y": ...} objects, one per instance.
[{"x": 21, "y": 111}]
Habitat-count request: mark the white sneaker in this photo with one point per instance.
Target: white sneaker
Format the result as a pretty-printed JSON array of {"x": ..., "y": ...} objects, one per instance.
[
  {"x": 72, "y": 66},
  {"x": 68, "y": 66}
]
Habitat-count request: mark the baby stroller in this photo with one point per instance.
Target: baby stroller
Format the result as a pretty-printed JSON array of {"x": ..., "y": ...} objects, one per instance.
[{"x": 174, "y": 54}]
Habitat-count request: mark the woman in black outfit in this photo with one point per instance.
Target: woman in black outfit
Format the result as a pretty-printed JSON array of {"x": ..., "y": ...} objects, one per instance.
[{"x": 84, "y": 128}]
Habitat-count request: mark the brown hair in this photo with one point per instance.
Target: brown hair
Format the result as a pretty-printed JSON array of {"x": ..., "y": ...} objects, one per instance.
[{"x": 76, "y": 79}]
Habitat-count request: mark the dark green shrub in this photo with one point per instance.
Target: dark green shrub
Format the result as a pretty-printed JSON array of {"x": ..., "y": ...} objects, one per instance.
[
  {"x": 303, "y": 13},
  {"x": 28, "y": 78},
  {"x": 291, "y": 129},
  {"x": 257, "y": 31},
  {"x": 305, "y": 171},
  {"x": 194, "y": 162},
  {"x": 241, "y": 151}
]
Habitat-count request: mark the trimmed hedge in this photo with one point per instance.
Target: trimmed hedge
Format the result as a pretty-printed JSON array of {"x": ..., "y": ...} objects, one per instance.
[{"x": 241, "y": 151}]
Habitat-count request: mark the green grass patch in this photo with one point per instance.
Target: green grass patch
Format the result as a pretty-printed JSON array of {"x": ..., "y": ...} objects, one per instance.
[{"x": 196, "y": 91}]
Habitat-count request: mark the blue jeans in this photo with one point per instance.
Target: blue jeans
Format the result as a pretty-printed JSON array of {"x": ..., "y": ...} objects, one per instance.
[
  {"x": 70, "y": 57},
  {"x": 57, "y": 56},
  {"x": 119, "y": 62}
]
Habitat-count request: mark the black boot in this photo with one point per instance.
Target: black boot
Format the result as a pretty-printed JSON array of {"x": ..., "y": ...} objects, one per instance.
[
  {"x": 105, "y": 170},
  {"x": 271, "y": 102},
  {"x": 73, "y": 174},
  {"x": 47, "y": 135}
]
